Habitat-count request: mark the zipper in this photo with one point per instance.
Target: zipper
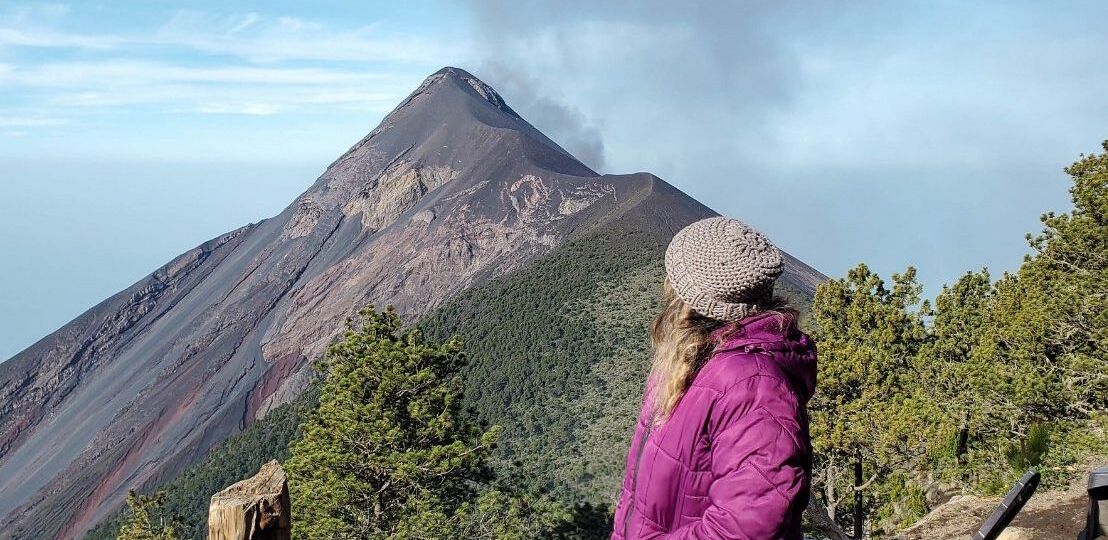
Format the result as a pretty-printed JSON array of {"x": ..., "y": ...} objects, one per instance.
[{"x": 635, "y": 478}]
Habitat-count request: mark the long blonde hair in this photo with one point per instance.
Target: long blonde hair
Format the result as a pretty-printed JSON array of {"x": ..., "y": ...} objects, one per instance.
[{"x": 683, "y": 341}]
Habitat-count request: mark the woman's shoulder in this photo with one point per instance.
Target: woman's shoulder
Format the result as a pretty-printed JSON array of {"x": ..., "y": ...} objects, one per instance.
[
  {"x": 768, "y": 354},
  {"x": 740, "y": 370},
  {"x": 748, "y": 385}
]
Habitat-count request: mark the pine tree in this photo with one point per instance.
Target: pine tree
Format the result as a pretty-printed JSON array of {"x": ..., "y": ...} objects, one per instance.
[
  {"x": 142, "y": 513},
  {"x": 863, "y": 422},
  {"x": 1044, "y": 338},
  {"x": 499, "y": 515},
  {"x": 390, "y": 452},
  {"x": 953, "y": 375},
  {"x": 1068, "y": 274}
]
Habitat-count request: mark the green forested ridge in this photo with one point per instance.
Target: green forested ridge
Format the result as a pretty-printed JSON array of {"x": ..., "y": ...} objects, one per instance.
[{"x": 558, "y": 354}]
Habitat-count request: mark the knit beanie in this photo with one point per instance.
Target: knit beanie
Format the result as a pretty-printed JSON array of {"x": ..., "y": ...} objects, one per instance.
[{"x": 722, "y": 268}]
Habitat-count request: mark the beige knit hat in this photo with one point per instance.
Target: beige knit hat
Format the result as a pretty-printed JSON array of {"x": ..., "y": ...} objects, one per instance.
[{"x": 722, "y": 268}]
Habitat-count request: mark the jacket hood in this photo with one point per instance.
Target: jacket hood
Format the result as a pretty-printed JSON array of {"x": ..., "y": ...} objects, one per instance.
[{"x": 776, "y": 333}]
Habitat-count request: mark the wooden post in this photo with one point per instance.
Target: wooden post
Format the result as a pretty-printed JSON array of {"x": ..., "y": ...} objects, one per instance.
[{"x": 254, "y": 509}]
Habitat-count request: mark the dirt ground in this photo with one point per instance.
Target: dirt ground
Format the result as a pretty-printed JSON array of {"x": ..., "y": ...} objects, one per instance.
[{"x": 1052, "y": 515}]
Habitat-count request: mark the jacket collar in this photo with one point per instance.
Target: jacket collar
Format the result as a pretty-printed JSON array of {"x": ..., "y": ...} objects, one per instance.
[
  {"x": 764, "y": 329},
  {"x": 776, "y": 333}
]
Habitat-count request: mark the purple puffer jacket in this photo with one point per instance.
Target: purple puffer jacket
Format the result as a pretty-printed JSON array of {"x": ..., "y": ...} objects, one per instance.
[{"x": 734, "y": 458}]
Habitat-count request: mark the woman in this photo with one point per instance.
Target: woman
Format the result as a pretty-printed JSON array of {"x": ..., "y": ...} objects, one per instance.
[{"x": 721, "y": 449}]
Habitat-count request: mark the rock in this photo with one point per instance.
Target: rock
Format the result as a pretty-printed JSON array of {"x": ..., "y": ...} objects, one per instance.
[
  {"x": 254, "y": 509},
  {"x": 423, "y": 216}
]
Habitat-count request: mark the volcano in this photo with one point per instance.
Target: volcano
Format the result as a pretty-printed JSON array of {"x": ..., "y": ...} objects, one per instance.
[{"x": 451, "y": 190}]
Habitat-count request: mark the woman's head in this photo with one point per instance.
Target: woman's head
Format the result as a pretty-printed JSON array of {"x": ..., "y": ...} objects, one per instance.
[
  {"x": 722, "y": 268},
  {"x": 718, "y": 272}
]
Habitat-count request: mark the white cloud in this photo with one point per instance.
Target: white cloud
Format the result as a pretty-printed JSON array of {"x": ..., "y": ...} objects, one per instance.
[
  {"x": 198, "y": 62},
  {"x": 30, "y": 121},
  {"x": 293, "y": 39},
  {"x": 247, "y": 21},
  {"x": 249, "y": 36},
  {"x": 45, "y": 38},
  {"x": 251, "y": 98},
  {"x": 219, "y": 89},
  {"x": 253, "y": 109},
  {"x": 132, "y": 73}
]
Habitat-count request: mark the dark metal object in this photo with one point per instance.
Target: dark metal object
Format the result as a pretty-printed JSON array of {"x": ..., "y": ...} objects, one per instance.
[
  {"x": 1096, "y": 521},
  {"x": 1009, "y": 507},
  {"x": 859, "y": 510}
]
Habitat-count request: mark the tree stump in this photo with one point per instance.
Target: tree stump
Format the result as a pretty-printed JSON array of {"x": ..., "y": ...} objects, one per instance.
[{"x": 254, "y": 509}]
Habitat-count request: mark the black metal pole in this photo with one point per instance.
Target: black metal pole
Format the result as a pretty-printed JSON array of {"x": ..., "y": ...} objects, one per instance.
[{"x": 859, "y": 512}]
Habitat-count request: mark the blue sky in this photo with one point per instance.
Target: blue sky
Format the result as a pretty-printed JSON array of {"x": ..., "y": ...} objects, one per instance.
[{"x": 930, "y": 134}]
